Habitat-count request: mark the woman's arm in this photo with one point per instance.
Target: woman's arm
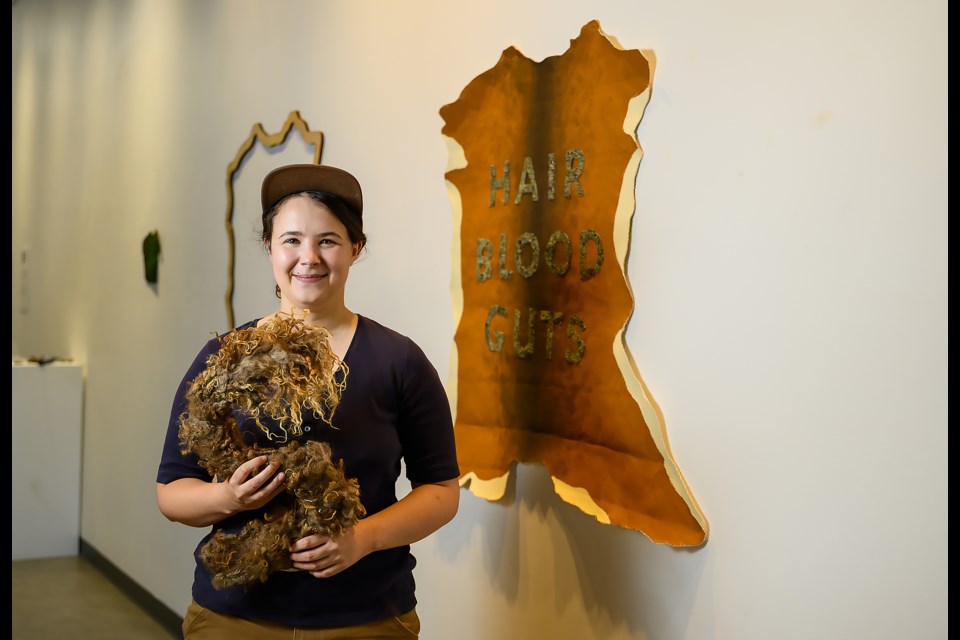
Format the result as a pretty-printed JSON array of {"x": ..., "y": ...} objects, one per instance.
[
  {"x": 199, "y": 503},
  {"x": 418, "y": 514}
]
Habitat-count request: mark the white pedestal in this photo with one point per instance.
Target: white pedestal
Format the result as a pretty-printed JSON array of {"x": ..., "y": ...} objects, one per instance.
[{"x": 47, "y": 440}]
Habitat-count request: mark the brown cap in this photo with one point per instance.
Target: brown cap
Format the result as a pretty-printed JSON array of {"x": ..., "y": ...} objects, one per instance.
[{"x": 293, "y": 178}]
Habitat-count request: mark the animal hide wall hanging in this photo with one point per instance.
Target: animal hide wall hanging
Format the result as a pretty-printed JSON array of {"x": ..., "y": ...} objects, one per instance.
[{"x": 543, "y": 162}]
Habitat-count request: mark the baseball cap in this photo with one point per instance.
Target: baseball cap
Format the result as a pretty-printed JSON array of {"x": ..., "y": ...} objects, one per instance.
[{"x": 293, "y": 178}]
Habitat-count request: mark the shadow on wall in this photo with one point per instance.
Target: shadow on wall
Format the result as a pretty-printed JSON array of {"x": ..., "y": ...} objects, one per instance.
[{"x": 548, "y": 555}]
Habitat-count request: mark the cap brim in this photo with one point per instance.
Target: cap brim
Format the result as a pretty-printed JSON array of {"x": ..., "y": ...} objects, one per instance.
[{"x": 294, "y": 178}]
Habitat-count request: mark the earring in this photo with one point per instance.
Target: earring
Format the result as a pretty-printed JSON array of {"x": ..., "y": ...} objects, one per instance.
[{"x": 277, "y": 291}]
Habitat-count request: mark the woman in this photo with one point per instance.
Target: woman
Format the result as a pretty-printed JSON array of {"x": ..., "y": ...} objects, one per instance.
[{"x": 393, "y": 408}]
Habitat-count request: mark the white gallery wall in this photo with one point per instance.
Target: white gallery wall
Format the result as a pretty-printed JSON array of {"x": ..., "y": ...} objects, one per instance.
[{"x": 789, "y": 267}]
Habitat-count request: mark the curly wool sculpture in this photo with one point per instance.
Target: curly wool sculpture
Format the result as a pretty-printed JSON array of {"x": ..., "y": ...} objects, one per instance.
[{"x": 283, "y": 370}]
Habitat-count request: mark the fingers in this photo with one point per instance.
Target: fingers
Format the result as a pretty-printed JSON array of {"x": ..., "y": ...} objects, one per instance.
[
  {"x": 268, "y": 471},
  {"x": 252, "y": 486},
  {"x": 250, "y": 471},
  {"x": 308, "y": 544},
  {"x": 250, "y": 468},
  {"x": 269, "y": 487},
  {"x": 312, "y": 552},
  {"x": 323, "y": 566},
  {"x": 321, "y": 556}
]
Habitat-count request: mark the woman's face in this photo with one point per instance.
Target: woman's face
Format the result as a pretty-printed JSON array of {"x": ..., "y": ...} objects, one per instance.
[{"x": 311, "y": 254}]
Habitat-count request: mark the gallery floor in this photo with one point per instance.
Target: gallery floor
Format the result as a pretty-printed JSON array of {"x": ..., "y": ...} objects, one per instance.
[{"x": 66, "y": 598}]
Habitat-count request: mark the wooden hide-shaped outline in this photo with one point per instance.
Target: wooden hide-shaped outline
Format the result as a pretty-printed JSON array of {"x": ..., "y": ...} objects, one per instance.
[{"x": 269, "y": 141}]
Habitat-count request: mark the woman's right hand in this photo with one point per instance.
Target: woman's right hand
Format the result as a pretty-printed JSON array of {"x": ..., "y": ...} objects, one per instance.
[
  {"x": 249, "y": 488},
  {"x": 201, "y": 503}
]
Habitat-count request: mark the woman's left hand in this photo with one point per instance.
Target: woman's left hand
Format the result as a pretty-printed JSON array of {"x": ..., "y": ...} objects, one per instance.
[
  {"x": 425, "y": 509},
  {"x": 324, "y": 556}
]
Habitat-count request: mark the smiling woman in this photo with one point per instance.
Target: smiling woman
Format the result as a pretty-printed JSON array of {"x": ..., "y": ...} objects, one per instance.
[{"x": 392, "y": 412}]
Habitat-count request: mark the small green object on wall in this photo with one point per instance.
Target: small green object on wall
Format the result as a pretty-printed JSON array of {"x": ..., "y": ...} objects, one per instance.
[{"x": 151, "y": 254}]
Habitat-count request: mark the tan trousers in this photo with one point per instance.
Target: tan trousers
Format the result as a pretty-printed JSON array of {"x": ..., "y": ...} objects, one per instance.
[{"x": 203, "y": 624}]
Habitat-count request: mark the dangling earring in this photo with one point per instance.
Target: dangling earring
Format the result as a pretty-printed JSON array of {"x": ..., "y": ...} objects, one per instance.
[{"x": 278, "y": 291}]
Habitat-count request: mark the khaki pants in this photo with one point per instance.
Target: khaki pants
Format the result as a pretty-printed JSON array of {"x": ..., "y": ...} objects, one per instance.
[{"x": 203, "y": 624}]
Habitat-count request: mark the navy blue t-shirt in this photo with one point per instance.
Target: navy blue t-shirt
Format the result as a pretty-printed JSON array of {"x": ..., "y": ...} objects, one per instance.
[{"x": 393, "y": 408}]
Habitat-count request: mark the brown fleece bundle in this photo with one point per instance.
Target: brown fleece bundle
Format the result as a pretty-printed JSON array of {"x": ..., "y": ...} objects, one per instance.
[{"x": 282, "y": 370}]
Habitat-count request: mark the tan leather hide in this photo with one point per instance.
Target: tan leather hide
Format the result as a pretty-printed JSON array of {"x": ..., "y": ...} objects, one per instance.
[{"x": 544, "y": 190}]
